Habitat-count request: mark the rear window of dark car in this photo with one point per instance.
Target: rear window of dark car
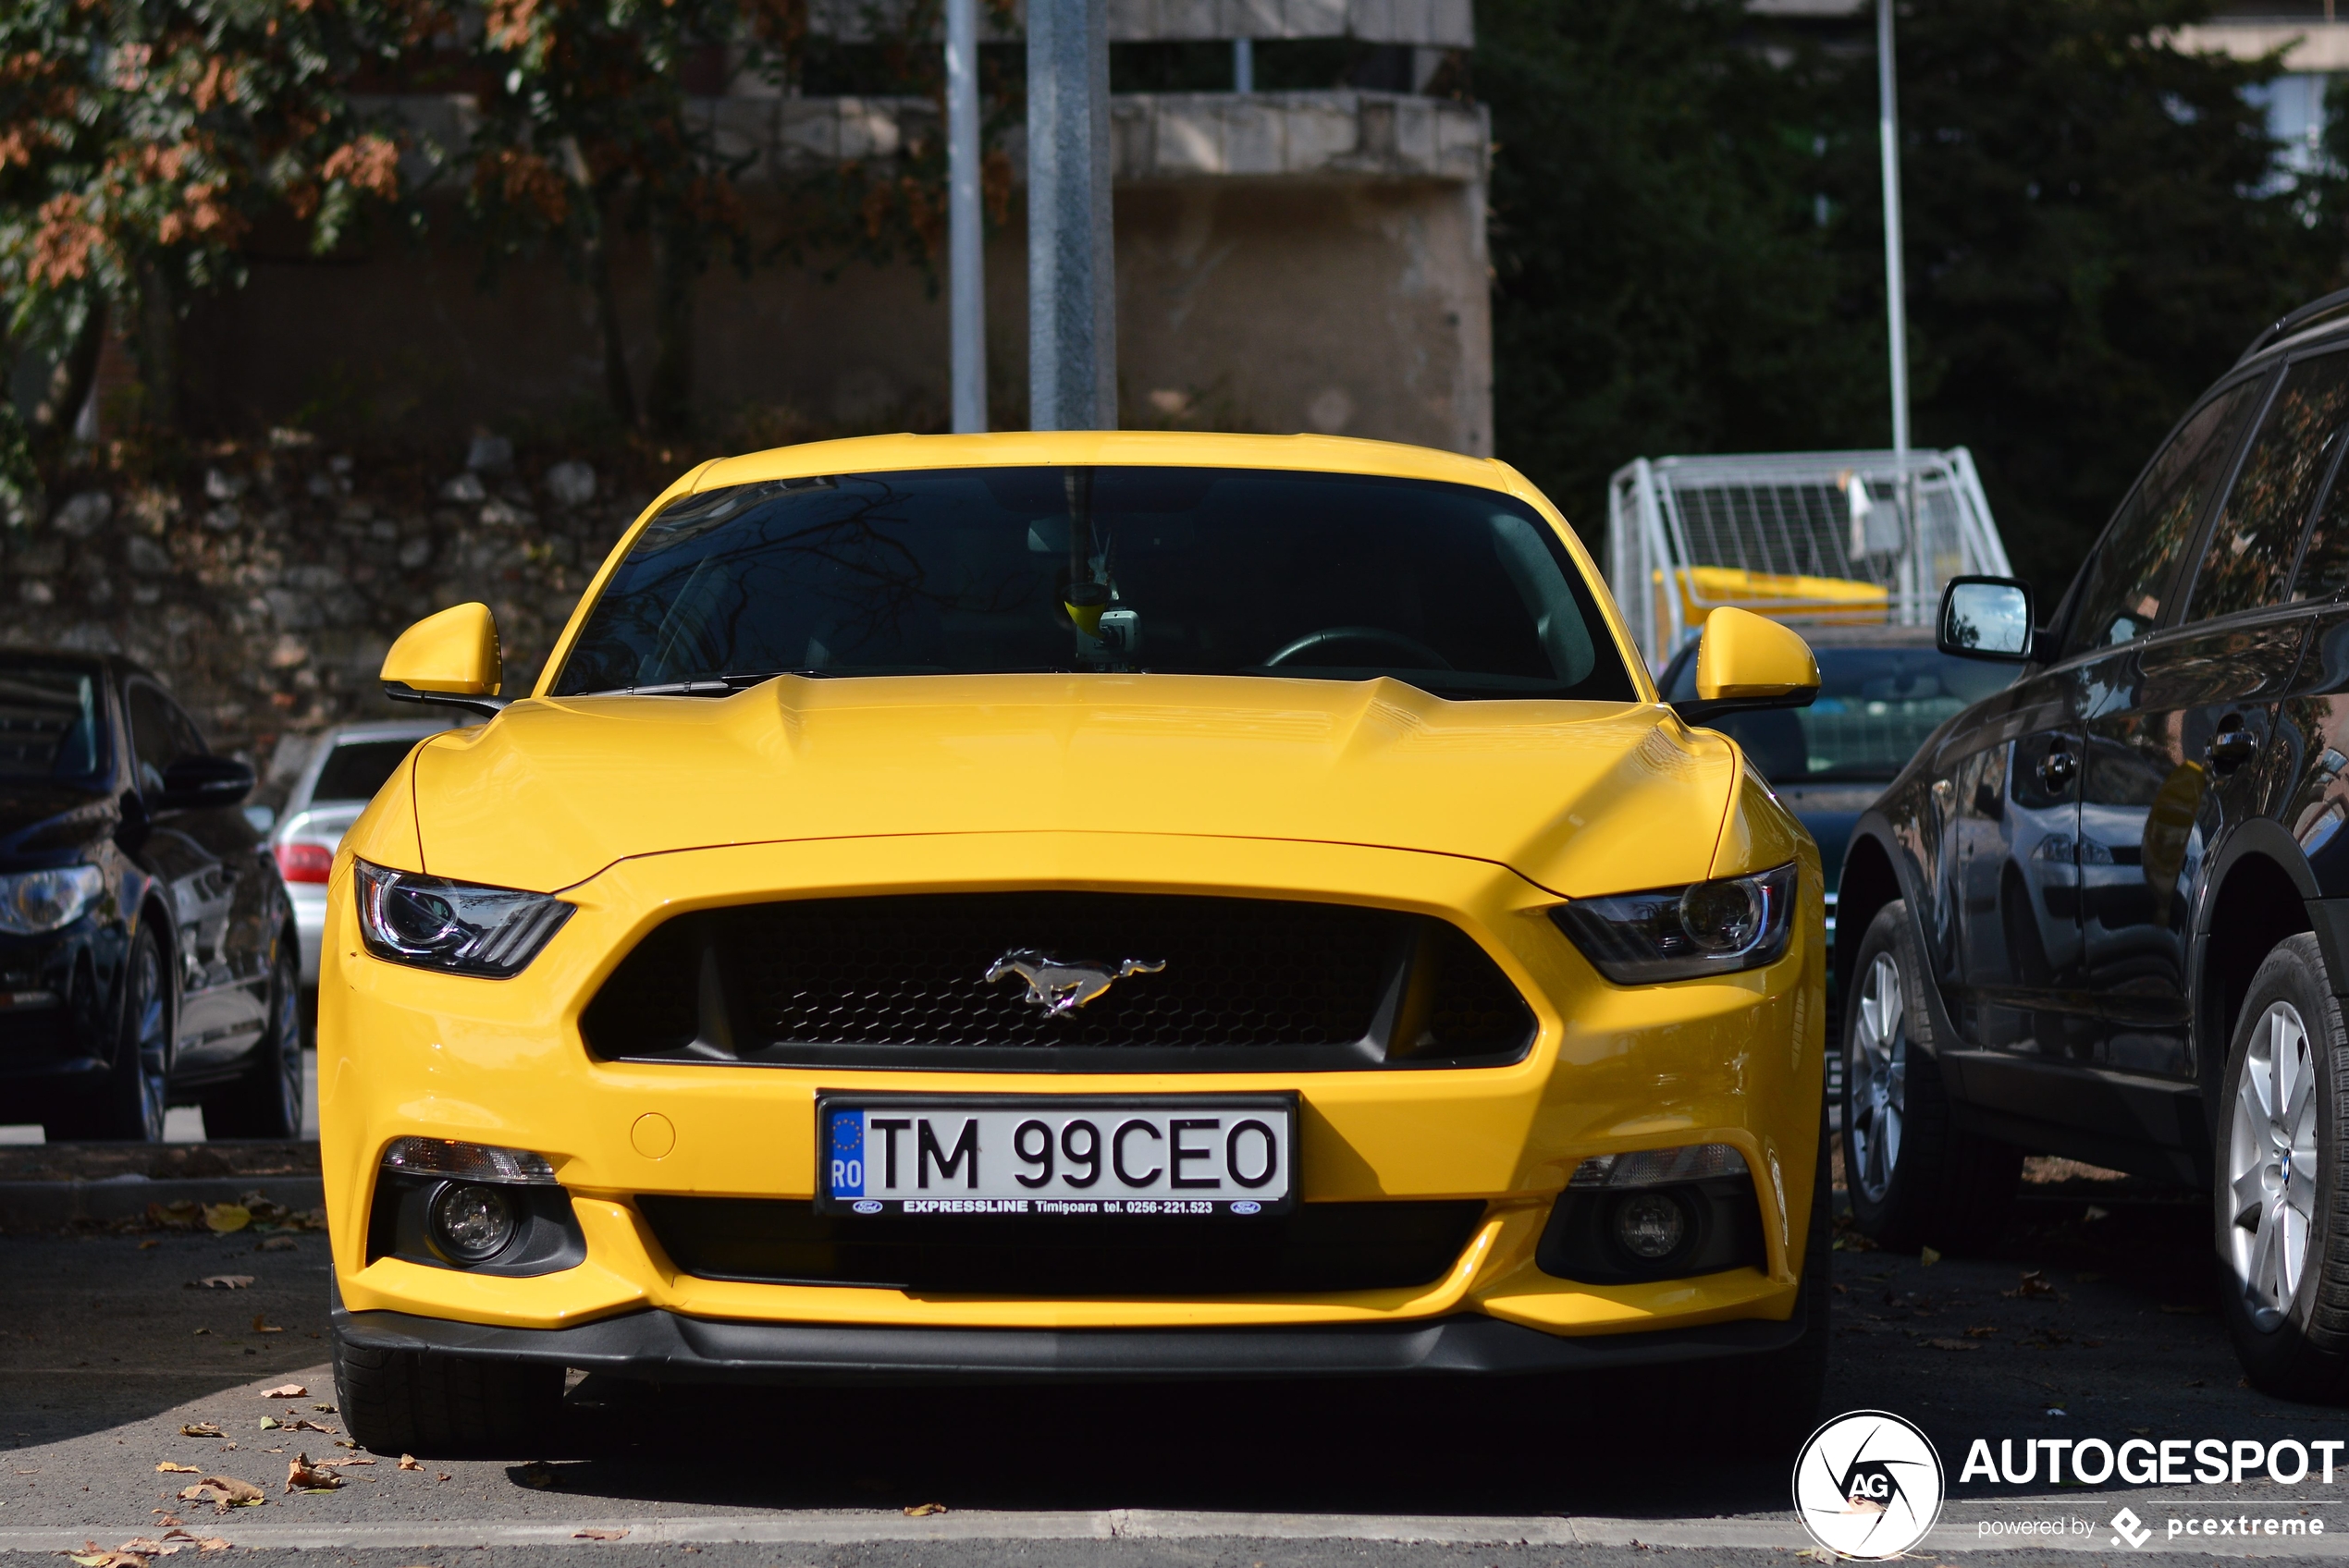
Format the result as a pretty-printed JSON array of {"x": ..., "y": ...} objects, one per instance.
[{"x": 356, "y": 769}]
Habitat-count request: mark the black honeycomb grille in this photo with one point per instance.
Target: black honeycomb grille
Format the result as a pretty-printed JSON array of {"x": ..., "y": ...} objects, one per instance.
[{"x": 902, "y": 981}]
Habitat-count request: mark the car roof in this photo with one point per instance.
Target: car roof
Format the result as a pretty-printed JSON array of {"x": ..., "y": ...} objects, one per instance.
[{"x": 1107, "y": 449}]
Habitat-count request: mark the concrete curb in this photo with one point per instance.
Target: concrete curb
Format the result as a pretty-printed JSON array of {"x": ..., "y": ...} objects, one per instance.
[
  {"x": 816, "y": 1528},
  {"x": 52, "y": 1205}
]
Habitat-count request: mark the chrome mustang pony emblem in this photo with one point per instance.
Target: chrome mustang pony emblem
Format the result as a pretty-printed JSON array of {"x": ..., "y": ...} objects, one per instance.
[{"x": 1060, "y": 987}]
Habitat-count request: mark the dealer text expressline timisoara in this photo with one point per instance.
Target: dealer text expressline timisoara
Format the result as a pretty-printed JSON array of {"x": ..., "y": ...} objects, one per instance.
[
  {"x": 2105, "y": 913},
  {"x": 1084, "y": 905}
]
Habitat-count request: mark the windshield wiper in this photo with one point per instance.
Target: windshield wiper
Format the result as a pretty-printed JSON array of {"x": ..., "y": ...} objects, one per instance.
[{"x": 709, "y": 686}]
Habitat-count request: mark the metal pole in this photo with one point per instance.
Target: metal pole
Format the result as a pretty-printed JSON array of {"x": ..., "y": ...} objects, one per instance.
[
  {"x": 1895, "y": 290},
  {"x": 1243, "y": 65},
  {"x": 966, "y": 257},
  {"x": 1072, "y": 285}
]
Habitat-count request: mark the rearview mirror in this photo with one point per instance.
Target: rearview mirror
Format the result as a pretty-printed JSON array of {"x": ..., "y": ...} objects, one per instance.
[
  {"x": 1746, "y": 661},
  {"x": 1986, "y": 618},
  {"x": 450, "y": 658},
  {"x": 193, "y": 782}
]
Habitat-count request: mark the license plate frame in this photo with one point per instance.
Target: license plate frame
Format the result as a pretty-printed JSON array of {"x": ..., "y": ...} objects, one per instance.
[{"x": 1220, "y": 1118}]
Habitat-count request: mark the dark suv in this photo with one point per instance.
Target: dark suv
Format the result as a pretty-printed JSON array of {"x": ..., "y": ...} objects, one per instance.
[{"x": 2105, "y": 913}]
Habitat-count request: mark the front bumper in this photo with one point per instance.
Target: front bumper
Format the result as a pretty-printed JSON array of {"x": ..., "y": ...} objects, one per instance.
[
  {"x": 666, "y": 1347},
  {"x": 1735, "y": 1060},
  {"x": 309, "y": 900},
  {"x": 56, "y": 1000}
]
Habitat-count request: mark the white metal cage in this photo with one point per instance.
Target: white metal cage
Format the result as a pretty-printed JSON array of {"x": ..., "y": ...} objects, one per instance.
[{"x": 1842, "y": 536}]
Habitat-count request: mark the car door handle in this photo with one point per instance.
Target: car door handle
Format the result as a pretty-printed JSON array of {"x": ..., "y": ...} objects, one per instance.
[
  {"x": 2057, "y": 769},
  {"x": 2231, "y": 748}
]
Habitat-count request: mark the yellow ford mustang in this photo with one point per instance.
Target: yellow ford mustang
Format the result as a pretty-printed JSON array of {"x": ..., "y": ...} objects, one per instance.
[{"x": 1088, "y": 906}]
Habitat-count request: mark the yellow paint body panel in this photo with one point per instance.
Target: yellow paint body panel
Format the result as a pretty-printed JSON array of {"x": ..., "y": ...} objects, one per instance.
[
  {"x": 1485, "y": 814},
  {"x": 455, "y": 651}
]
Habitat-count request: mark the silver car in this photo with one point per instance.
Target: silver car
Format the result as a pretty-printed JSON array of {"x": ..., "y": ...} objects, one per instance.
[{"x": 342, "y": 776}]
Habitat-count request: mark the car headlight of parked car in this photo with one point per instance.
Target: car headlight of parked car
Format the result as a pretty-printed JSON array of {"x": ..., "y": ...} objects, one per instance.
[
  {"x": 1716, "y": 927},
  {"x": 35, "y": 901},
  {"x": 430, "y": 922}
]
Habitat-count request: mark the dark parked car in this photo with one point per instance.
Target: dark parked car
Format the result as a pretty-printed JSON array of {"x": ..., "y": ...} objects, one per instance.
[
  {"x": 2105, "y": 914},
  {"x": 147, "y": 950}
]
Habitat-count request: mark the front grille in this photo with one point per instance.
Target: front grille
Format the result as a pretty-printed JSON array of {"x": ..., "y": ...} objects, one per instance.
[
  {"x": 1249, "y": 985},
  {"x": 1319, "y": 1247}
]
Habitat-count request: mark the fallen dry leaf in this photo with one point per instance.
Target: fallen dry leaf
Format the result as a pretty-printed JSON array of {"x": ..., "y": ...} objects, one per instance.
[
  {"x": 270, "y": 1423},
  {"x": 286, "y": 1391},
  {"x": 303, "y": 1424},
  {"x": 93, "y": 1556},
  {"x": 2033, "y": 1283},
  {"x": 280, "y": 1243},
  {"x": 262, "y": 1325},
  {"x": 1928, "y": 1257},
  {"x": 224, "y": 1492},
  {"x": 1981, "y": 1332},
  {"x": 165, "y": 1516},
  {"x": 167, "y": 1469},
  {"x": 334, "y": 1463},
  {"x": 924, "y": 1509},
  {"x": 202, "y": 1543},
  {"x": 145, "y": 1244},
  {"x": 1955, "y": 1345},
  {"x": 345, "y": 1443},
  {"x": 201, "y": 1430},
  {"x": 227, "y": 1281},
  {"x": 146, "y": 1548},
  {"x": 408, "y": 1461},
  {"x": 593, "y": 1534},
  {"x": 324, "y": 1409},
  {"x": 304, "y": 1475},
  {"x": 223, "y": 1218}
]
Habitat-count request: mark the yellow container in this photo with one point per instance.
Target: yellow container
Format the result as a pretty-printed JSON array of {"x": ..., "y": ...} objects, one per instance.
[{"x": 1781, "y": 595}]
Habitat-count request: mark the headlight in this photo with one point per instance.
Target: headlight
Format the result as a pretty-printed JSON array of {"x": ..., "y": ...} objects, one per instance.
[
  {"x": 435, "y": 924},
  {"x": 34, "y": 901},
  {"x": 1679, "y": 933}
]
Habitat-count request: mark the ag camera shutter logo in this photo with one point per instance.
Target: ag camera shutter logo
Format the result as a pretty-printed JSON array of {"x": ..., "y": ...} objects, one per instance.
[{"x": 1868, "y": 1485}]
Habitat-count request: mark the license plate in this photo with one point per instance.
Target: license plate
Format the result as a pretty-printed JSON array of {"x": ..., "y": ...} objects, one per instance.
[{"x": 1149, "y": 1157}]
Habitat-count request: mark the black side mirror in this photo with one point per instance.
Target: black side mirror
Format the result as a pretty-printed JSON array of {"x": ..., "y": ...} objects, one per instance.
[
  {"x": 1987, "y": 618},
  {"x": 200, "y": 781}
]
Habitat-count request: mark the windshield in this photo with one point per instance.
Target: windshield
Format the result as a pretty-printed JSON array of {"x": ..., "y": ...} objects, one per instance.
[
  {"x": 1875, "y": 708},
  {"x": 1459, "y": 591},
  {"x": 49, "y": 722}
]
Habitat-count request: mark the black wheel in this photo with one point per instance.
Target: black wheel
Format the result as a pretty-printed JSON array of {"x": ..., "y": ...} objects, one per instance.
[
  {"x": 129, "y": 1105},
  {"x": 2281, "y": 1210},
  {"x": 1913, "y": 1179},
  {"x": 265, "y": 1100},
  {"x": 411, "y": 1402}
]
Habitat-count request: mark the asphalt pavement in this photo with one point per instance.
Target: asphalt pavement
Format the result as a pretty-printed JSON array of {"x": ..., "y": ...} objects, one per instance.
[{"x": 2093, "y": 1322}]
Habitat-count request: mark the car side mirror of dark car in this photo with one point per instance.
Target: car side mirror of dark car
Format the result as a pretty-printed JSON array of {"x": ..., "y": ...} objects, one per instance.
[
  {"x": 193, "y": 782},
  {"x": 1987, "y": 618}
]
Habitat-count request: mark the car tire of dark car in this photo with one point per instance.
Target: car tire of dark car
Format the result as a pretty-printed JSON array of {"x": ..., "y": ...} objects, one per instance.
[
  {"x": 2280, "y": 1203},
  {"x": 128, "y": 1105},
  {"x": 1915, "y": 1179},
  {"x": 413, "y": 1402},
  {"x": 264, "y": 1101}
]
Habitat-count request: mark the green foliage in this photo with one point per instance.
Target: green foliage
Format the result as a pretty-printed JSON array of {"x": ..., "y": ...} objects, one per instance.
[
  {"x": 140, "y": 140},
  {"x": 2095, "y": 231},
  {"x": 1661, "y": 286}
]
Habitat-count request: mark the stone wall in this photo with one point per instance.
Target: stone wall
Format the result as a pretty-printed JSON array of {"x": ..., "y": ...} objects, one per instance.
[{"x": 264, "y": 584}]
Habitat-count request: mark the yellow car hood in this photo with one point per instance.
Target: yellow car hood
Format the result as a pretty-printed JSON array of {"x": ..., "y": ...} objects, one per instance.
[{"x": 1580, "y": 797}]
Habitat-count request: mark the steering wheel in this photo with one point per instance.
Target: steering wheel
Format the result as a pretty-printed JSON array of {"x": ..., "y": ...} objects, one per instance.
[{"x": 1420, "y": 654}]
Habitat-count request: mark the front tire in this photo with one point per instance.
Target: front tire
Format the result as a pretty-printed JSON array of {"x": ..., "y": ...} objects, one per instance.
[
  {"x": 398, "y": 1401},
  {"x": 264, "y": 1101},
  {"x": 1913, "y": 1179},
  {"x": 2281, "y": 1205},
  {"x": 128, "y": 1106}
]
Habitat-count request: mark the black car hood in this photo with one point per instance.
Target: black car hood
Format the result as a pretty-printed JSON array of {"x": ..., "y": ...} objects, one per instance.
[{"x": 38, "y": 818}]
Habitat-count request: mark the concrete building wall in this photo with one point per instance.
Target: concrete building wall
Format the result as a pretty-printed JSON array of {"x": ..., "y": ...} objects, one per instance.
[{"x": 1284, "y": 261}]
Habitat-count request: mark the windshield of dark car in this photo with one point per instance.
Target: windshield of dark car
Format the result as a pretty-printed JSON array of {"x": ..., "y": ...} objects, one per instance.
[
  {"x": 49, "y": 722},
  {"x": 1875, "y": 708},
  {"x": 354, "y": 770},
  {"x": 1460, "y": 590}
]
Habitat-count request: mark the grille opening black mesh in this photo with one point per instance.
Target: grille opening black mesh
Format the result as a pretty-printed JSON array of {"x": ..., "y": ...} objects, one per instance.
[
  {"x": 1321, "y": 1247},
  {"x": 900, "y": 981}
]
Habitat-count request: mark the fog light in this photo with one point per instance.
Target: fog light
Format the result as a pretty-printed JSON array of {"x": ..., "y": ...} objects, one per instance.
[
  {"x": 471, "y": 1223},
  {"x": 1650, "y": 1225}
]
